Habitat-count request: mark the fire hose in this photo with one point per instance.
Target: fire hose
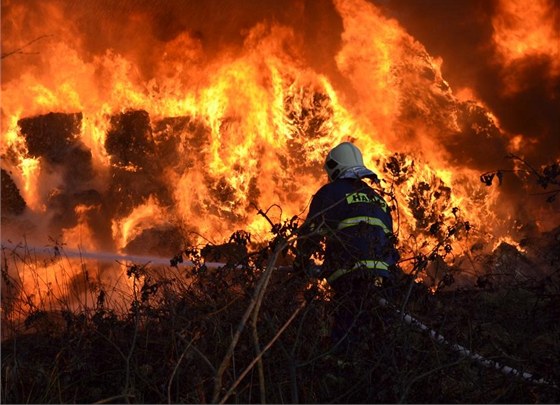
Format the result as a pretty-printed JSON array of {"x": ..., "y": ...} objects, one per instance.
[
  {"x": 405, "y": 317},
  {"x": 463, "y": 351},
  {"x": 99, "y": 255}
]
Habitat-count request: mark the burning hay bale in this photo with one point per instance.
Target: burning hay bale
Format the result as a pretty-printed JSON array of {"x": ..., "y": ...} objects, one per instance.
[
  {"x": 534, "y": 261},
  {"x": 508, "y": 265},
  {"x": 479, "y": 137},
  {"x": 52, "y": 135},
  {"x": 12, "y": 201},
  {"x": 130, "y": 189},
  {"x": 529, "y": 263},
  {"x": 136, "y": 172},
  {"x": 427, "y": 202},
  {"x": 229, "y": 253},
  {"x": 544, "y": 250},
  {"x": 180, "y": 140},
  {"x": 309, "y": 115},
  {"x": 55, "y": 137},
  {"x": 399, "y": 166},
  {"x": 79, "y": 166},
  {"x": 262, "y": 97},
  {"x": 85, "y": 205},
  {"x": 157, "y": 241},
  {"x": 129, "y": 140}
]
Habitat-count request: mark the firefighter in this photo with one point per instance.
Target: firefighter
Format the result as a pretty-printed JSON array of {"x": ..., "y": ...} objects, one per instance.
[{"x": 360, "y": 257}]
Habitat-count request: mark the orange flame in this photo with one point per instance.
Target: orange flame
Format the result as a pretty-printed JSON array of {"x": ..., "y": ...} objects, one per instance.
[
  {"x": 524, "y": 29},
  {"x": 243, "y": 127}
]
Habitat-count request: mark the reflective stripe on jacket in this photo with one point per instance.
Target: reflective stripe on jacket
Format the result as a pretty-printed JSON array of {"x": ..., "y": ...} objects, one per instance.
[
  {"x": 358, "y": 228},
  {"x": 361, "y": 264},
  {"x": 345, "y": 223}
]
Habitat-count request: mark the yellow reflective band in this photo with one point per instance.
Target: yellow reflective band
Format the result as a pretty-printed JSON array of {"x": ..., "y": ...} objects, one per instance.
[
  {"x": 371, "y": 264},
  {"x": 348, "y": 222},
  {"x": 367, "y": 264}
]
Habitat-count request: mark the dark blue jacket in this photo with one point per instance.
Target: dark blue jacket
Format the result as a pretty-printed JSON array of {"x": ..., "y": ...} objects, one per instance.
[{"x": 357, "y": 225}]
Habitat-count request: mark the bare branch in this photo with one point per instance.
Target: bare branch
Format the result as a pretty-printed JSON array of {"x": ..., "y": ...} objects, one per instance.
[
  {"x": 255, "y": 302},
  {"x": 268, "y": 346},
  {"x": 19, "y": 51}
]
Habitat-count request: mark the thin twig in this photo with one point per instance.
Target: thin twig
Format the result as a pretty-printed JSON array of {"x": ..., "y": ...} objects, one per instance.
[
  {"x": 202, "y": 356},
  {"x": 255, "y": 318},
  {"x": 175, "y": 371},
  {"x": 260, "y": 368},
  {"x": 20, "y": 50},
  {"x": 265, "y": 349},
  {"x": 111, "y": 399},
  {"x": 261, "y": 286},
  {"x": 426, "y": 374},
  {"x": 134, "y": 337}
]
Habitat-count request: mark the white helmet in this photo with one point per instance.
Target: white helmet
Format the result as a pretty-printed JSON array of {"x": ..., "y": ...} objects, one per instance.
[{"x": 343, "y": 158}]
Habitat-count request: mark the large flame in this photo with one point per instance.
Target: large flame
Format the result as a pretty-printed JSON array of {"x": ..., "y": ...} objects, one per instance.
[
  {"x": 525, "y": 29},
  {"x": 129, "y": 127}
]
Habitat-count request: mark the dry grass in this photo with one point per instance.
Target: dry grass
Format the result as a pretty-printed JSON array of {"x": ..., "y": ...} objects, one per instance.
[{"x": 252, "y": 333}]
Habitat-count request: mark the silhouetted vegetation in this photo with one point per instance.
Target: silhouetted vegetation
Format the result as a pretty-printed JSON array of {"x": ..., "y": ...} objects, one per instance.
[
  {"x": 546, "y": 177},
  {"x": 254, "y": 331}
]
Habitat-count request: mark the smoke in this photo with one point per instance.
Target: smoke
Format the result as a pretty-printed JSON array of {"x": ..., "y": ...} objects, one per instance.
[{"x": 461, "y": 32}]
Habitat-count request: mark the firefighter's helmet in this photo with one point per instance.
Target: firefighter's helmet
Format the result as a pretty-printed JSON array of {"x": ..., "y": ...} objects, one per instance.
[{"x": 341, "y": 158}]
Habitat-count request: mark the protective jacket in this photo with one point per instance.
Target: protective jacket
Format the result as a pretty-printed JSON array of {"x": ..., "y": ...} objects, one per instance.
[{"x": 357, "y": 225}]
